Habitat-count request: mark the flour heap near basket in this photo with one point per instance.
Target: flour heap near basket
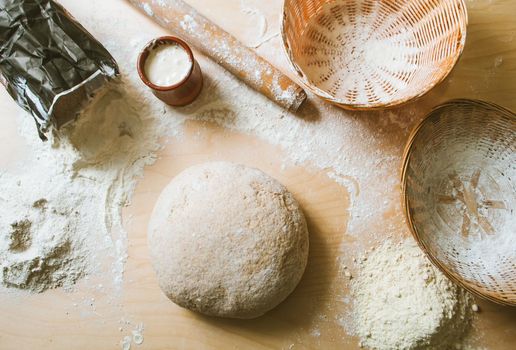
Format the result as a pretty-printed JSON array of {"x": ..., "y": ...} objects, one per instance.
[{"x": 401, "y": 301}]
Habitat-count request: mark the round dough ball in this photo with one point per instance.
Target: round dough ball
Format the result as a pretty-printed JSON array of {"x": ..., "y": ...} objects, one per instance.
[{"x": 227, "y": 240}]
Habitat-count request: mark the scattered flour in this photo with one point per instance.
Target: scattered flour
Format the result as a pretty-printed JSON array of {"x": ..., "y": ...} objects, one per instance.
[
  {"x": 126, "y": 343},
  {"x": 315, "y": 332},
  {"x": 148, "y": 9},
  {"x": 60, "y": 212},
  {"x": 37, "y": 251},
  {"x": 261, "y": 26},
  {"x": 93, "y": 165},
  {"x": 498, "y": 61},
  {"x": 135, "y": 338},
  {"x": 401, "y": 301},
  {"x": 138, "y": 334}
]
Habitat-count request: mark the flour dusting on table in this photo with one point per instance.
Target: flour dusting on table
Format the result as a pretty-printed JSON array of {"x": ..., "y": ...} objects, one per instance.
[
  {"x": 61, "y": 211},
  {"x": 94, "y": 165},
  {"x": 96, "y": 162},
  {"x": 37, "y": 250}
]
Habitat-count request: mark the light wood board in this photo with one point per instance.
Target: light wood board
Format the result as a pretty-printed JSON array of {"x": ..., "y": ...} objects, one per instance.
[{"x": 311, "y": 317}]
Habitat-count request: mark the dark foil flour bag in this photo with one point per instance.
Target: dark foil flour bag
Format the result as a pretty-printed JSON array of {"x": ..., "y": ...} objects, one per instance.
[{"x": 49, "y": 63}]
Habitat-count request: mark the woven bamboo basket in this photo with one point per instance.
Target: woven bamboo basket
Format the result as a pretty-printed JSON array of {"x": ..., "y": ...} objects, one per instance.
[
  {"x": 459, "y": 194},
  {"x": 372, "y": 54}
]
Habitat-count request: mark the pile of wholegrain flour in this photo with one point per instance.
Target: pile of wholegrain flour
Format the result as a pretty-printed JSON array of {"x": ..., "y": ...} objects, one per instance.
[{"x": 401, "y": 301}]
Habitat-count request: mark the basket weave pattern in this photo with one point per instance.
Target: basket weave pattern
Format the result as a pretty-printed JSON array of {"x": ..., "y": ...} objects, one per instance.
[
  {"x": 373, "y": 53},
  {"x": 459, "y": 189}
]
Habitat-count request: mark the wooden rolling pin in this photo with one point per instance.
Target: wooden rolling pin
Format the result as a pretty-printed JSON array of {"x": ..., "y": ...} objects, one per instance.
[{"x": 225, "y": 49}]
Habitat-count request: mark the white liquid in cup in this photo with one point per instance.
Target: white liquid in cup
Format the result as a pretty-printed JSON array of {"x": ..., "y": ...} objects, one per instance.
[{"x": 167, "y": 65}]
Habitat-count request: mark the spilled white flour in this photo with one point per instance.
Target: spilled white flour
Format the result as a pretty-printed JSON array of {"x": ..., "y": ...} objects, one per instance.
[
  {"x": 260, "y": 26},
  {"x": 60, "y": 213},
  {"x": 37, "y": 248},
  {"x": 135, "y": 338},
  {"x": 93, "y": 165},
  {"x": 401, "y": 301},
  {"x": 96, "y": 167}
]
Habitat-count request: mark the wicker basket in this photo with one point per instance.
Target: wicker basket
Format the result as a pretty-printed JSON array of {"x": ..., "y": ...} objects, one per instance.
[
  {"x": 459, "y": 194},
  {"x": 371, "y": 54}
]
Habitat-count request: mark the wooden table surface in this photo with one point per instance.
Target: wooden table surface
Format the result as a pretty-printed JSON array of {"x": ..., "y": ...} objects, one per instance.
[{"x": 314, "y": 315}]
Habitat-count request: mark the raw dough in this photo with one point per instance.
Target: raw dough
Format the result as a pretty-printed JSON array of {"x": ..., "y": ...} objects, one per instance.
[{"x": 227, "y": 240}]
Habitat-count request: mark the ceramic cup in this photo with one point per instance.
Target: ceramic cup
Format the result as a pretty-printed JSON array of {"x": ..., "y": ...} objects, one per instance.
[{"x": 181, "y": 93}]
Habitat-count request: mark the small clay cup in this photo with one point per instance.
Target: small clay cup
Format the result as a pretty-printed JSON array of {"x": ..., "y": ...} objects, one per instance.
[{"x": 185, "y": 91}]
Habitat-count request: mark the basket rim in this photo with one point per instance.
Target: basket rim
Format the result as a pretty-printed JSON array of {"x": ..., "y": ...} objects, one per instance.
[
  {"x": 302, "y": 79},
  {"x": 474, "y": 288}
]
